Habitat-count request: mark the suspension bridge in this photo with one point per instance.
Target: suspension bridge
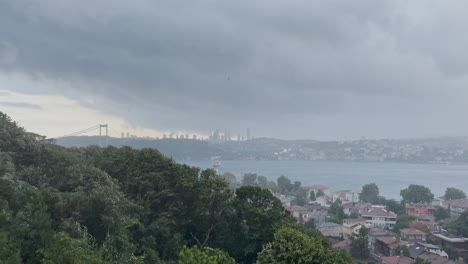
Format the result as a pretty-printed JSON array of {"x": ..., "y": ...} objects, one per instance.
[{"x": 103, "y": 133}]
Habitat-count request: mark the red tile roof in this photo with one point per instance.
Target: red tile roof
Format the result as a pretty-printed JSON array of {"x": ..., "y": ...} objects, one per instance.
[
  {"x": 377, "y": 211},
  {"x": 411, "y": 231},
  {"x": 396, "y": 260},
  {"x": 387, "y": 240}
]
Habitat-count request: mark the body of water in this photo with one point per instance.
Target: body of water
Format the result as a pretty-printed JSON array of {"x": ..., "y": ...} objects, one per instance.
[{"x": 390, "y": 177}]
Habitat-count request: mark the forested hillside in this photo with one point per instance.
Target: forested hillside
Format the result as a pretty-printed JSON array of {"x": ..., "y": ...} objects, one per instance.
[{"x": 121, "y": 205}]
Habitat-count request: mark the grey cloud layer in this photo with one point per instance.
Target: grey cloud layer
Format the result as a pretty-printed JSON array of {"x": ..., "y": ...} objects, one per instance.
[
  {"x": 284, "y": 68},
  {"x": 21, "y": 105}
]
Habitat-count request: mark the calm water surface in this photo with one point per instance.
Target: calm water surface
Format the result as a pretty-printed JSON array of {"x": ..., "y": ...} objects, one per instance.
[{"x": 390, "y": 177}]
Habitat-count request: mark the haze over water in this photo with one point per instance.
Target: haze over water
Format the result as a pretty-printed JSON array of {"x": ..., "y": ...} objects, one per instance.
[{"x": 390, "y": 177}]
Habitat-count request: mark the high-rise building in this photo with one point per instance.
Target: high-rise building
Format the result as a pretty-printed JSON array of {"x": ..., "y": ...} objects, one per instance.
[
  {"x": 128, "y": 134},
  {"x": 164, "y": 136},
  {"x": 248, "y": 134},
  {"x": 122, "y": 135},
  {"x": 194, "y": 137}
]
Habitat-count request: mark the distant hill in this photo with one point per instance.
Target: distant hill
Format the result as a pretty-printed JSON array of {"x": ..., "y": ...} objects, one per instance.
[{"x": 431, "y": 150}]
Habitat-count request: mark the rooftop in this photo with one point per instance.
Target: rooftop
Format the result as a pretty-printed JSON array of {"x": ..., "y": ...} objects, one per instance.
[
  {"x": 462, "y": 203},
  {"x": 376, "y": 232},
  {"x": 396, "y": 260},
  {"x": 411, "y": 231},
  {"x": 416, "y": 250},
  {"x": 377, "y": 211},
  {"x": 328, "y": 225},
  {"x": 387, "y": 240},
  {"x": 419, "y": 205},
  {"x": 436, "y": 259}
]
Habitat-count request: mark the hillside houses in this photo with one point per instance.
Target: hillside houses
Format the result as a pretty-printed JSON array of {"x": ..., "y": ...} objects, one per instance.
[
  {"x": 422, "y": 211},
  {"x": 423, "y": 237},
  {"x": 345, "y": 196},
  {"x": 379, "y": 216}
]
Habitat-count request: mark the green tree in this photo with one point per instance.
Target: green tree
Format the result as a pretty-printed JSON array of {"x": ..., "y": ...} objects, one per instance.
[
  {"x": 454, "y": 193},
  {"x": 441, "y": 214},
  {"x": 421, "y": 261},
  {"x": 220, "y": 256},
  {"x": 403, "y": 221},
  {"x": 292, "y": 246},
  {"x": 296, "y": 186},
  {"x": 312, "y": 196},
  {"x": 262, "y": 182},
  {"x": 249, "y": 179},
  {"x": 461, "y": 224},
  {"x": 319, "y": 193},
  {"x": 359, "y": 245},
  {"x": 416, "y": 194},
  {"x": 273, "y": 187},
  {"x": 301, "y": 196},
  {"x": 336, "y": 212},
  {"x": 284, "y": 184},
  {"x": 310, "y": 224},
  {"x": 394, "y": 206},
  {"x": 369, "y": 193},
  {"x": 230, "y": 178},
  {"x": 195, "y": 256},
  {"x": 258, "y": 216},
  {"x": 77, "y": 247},
  {"x": 9, "y": 250}
]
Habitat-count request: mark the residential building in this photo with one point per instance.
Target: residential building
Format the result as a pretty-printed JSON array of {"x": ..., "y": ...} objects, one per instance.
[
  {"x": 375, "y": 233},
  {"x": 413, "y": 235},
  {"x": 330, "y": 229},
  {"x": 456, "y": 207},
  {"x": 351, "y": 227},
  {"x": 317, "y": 216},
  {"x": 436, "y": 259},
  {"x": 388, "y": 246},
  {"x": 354, "y": 208},
  {"x": 285, "y": 200},
  {"x": 420, "y": 248},
  {"x": 345, "y": 196},
  {"x": 378, "y": 216},
  {"x": 396, "y": 260},
  {"x": 423, "y": 211},
  {"x": 318, "y": 187},
  {"x": 299, "y": 212},
  {"x": 453, "y": 242}
]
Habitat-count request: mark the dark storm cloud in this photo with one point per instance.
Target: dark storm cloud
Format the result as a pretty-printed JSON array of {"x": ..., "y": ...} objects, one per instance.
[
  {"x": 21, "y": 105},
  {"x": 270, "y": 65}
]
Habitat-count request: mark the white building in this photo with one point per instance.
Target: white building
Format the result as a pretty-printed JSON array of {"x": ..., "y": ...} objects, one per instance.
[
  {"x": 378, "y": 216},
  {"x": 318, "y": 187},
  {"x": 345, "y": 196}
]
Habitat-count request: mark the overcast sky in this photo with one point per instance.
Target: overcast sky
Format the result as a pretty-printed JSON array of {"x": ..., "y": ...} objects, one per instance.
[{"x": 319, "y": 69}]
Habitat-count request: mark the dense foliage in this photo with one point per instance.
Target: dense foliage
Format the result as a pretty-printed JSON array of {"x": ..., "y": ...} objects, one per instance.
[
  {"x": 454, "y": 193},
  {"x": 292, "y": 246},
  {"x": 369, "y": 193},
  {"x": 359, "y": 244},
  {"x": 416, "y": 194},
  {"x": 121, "y": 205}
]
